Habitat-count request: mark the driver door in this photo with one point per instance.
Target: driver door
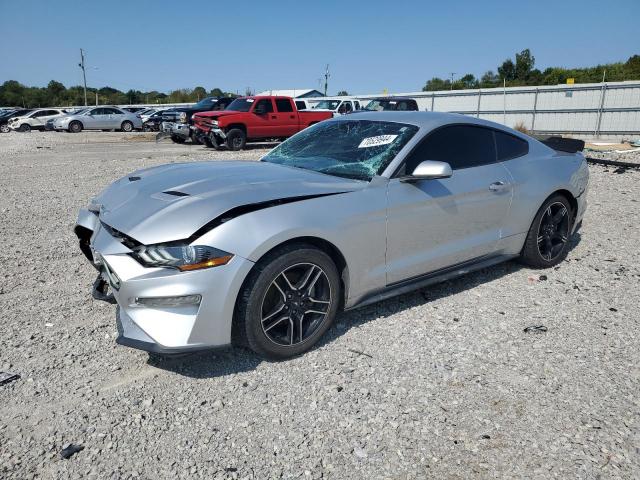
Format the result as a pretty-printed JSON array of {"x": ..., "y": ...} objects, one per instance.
[{"x": 435, "y": 224}]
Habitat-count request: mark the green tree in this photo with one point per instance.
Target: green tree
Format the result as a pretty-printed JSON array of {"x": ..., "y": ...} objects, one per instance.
[
  {"x": 216, "y": 92},
  {"x": 524, "y": 65},
  {"x": 198, "y": 94},
  {"x": 343, "y": 93},
  {"x": 435, "y": 84},
  {"x": 507, "y": 70}
]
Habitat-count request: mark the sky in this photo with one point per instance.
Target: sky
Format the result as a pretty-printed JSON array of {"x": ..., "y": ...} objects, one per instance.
[{"x": 370, "y": 46}]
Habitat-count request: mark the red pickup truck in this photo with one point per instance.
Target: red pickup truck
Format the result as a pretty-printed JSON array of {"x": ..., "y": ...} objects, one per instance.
[{"x": 253, "y": 118}]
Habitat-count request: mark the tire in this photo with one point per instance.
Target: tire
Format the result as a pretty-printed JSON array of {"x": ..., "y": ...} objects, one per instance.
[
  {"x": 195, "y": 140},
  {"x": 25, "y": 127},
  {"x": 4, "y": 128},
  {"x": 75, "y": 127},
  {"x": 126, "y": 126},
  {"x": 177, "y": 139},
  {"x": 307, "y": 297},
  {"x": 236, "y": 139},
  {"x": 207, "y": 141},
  {"x": 547, "y": 242}
]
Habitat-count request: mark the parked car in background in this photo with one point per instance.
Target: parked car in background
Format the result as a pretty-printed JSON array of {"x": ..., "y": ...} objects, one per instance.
[
  {"x": 302, "y": 104},
  {"x": 254, "y": 118},
  {"x": 339, "y": 106},
  {"x": 10, "y": 114},
  {"x": 152, "y": 122},
  {"x": 176, "y": 122},
  {"x": 391, "y": 103},
  {"x": 351, "y": 211},
  {"x": 35, "y": 120},
  {"x": 134, "y": 109},
  {"x": 98, "y": 118}
]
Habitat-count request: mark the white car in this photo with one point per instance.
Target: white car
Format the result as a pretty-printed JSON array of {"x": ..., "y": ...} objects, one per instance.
[
  {"x": 35, "y": 120},
  {"x": 97, "y": 118}
]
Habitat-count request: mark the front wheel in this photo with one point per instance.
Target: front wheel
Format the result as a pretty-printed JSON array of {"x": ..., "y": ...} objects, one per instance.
[
  {"x": 547, "y": 242},
  {"x": 177, "y": 139},
  {"x": 25, "y": 127},
  {"x": 75, "y": 127},
  {"x": 288, "y": 302},
  {"x": 4, "y": 128},
  {"x": 127, "y": 126},
  {"x": 236, "y": 139}
]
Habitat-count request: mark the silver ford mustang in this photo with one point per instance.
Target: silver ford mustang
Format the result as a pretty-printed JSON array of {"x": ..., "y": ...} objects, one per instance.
[{"x": 348, "y": 212}]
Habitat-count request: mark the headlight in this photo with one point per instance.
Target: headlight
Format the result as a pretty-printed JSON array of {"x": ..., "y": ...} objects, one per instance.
[
  {"x": 183, "y": 117},
  {"x": 214, "y": 123},
  {"x": 182, "y": 257}
]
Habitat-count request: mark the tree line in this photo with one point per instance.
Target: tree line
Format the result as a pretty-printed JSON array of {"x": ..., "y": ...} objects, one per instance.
[
  {"x": 55, "y": 94},
  {"x": 521, "y": 72}
]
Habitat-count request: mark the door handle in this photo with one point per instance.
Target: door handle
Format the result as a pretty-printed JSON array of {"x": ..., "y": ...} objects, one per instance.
[
  {"x": 498, "y": 186},
  {"x": 292, "y": 116},
  {"x": 273, "y": 117}
]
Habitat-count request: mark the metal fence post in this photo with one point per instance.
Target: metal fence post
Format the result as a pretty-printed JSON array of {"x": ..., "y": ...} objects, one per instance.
[
  {"x": 479, "y": 97},
  {"x": 535, "y": 106},
  {"x": 602, "y": 95},
  {"x": 433, "y": 97}
]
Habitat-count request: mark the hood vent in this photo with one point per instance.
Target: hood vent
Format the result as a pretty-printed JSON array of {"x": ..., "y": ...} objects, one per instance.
[
  {"x": 176, "y": 193},
  {"x": 134, "y": 179}
]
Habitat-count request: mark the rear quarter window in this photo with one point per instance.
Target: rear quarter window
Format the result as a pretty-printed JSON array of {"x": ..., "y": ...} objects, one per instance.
[{"x": 509, "y": 146}]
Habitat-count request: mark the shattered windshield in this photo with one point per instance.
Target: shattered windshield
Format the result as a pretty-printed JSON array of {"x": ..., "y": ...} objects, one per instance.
[
  {"x": 328, "y": 104},
  {"x": 358, "y": 149}
]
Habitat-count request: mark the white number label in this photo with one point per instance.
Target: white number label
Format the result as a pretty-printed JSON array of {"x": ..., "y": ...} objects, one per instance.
[{"x": 377, "y": 141}]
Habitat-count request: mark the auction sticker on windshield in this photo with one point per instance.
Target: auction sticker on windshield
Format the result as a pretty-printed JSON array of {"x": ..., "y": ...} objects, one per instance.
[{"x": 377, "y": 141}]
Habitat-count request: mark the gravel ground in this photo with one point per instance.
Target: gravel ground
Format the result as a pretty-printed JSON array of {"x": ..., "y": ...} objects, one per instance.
[{"x": 440, "y": 383}]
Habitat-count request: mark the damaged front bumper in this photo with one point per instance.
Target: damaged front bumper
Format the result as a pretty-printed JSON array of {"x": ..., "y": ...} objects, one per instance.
[
  {"x": 161, "y": 310},
  {"x": 181, "y": 130}
]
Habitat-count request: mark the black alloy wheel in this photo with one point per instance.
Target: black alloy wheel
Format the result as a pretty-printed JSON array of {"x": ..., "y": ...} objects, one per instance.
[{"x": 295, "y": 304}]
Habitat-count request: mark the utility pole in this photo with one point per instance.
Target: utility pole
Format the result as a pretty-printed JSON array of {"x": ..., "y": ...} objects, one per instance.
[
  {"x": 451, "y": 83},
  {"x": 84, "y": 75},
  {"x": 326, "y": 79}
]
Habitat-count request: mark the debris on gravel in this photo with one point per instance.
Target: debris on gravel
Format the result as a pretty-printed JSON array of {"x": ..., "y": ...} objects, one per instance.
[{"x": 439, "y": 383}]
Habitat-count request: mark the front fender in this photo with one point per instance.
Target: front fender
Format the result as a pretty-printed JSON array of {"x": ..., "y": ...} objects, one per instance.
[{"x": 353, "y": 222}]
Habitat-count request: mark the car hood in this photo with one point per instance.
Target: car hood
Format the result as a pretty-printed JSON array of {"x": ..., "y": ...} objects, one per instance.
[{"x": 172, "y": 202}]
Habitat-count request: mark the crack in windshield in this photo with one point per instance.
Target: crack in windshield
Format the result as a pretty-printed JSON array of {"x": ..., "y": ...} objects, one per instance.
[{"x": 358, "y": 149}]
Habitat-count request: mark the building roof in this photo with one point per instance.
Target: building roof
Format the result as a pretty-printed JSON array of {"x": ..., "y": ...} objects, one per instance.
[{"x": 294, "y": 93}]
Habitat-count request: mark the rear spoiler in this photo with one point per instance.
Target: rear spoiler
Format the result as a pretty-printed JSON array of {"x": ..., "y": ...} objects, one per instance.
[{"x": 569, "y": 145}]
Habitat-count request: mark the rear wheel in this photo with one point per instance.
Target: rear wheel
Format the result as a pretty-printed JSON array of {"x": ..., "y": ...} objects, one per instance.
[
  {"x": 126, "y": 126},
  {"x": 288, "y": 302},
  {"x": 75, "y": 127},
  {"x": 177, "y": 139},
  {"x": 4, "y": 128},
  {"x": 236, "y": 139},
  {"x": 195, "y": 140},
  {"x": 25, "y": 127},
  {"x": 547, "y": 242}
]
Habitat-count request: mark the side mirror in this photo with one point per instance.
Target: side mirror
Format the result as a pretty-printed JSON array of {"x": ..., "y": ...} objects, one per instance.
[{"x": 429, "y": 170}]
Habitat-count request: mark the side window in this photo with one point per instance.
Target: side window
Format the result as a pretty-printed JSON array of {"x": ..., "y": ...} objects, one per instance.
[
  {"x": 402, "y": 106},
  {"x": 112, "y": 111},
  {"x": 39, "y": 114},
  {"x": 509, "y": 146},
  {"x": 266, "y": 104},
  {"x": 461, "y": 146},
  {"x": 357, "y": 105},
  {"x": 284, "y": 105},
  {"x": 98, "y": 111},
  {"x": 300, "y": 105}
]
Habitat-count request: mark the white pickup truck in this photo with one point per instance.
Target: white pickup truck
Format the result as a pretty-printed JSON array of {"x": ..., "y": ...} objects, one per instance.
[{"x": 338, "y": 105}]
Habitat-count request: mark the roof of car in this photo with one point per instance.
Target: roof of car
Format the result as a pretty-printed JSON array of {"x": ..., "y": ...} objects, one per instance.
[{"x": 426, "y": 120}]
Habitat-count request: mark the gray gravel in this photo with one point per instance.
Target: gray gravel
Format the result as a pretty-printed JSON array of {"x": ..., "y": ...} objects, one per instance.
[{"x": 441, "y": 383}]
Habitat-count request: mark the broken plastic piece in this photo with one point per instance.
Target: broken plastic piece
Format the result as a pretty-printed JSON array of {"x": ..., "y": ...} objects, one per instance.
[
  {"x": 6, "y": 377},
  {"x": 535, "y": 329},
  {"x": 70, "y": 451}
]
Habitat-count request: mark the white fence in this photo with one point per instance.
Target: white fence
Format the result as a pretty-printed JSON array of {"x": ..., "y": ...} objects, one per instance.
[{"x": 592, "y": 109}]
